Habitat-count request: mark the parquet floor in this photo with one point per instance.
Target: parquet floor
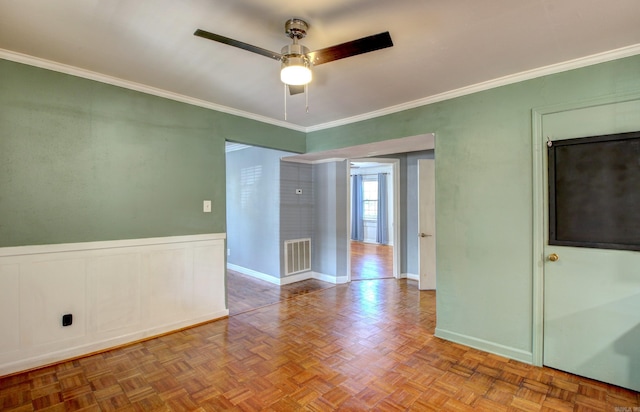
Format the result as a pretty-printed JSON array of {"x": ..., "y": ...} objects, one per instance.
[
  {"x": 245, "y": 293},
  {"x": 368, "y": 345},
  {"x": 371, "y": 261}
]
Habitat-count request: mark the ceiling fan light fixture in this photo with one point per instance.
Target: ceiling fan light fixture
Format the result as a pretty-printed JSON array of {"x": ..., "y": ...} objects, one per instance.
[
  {"x": 296, "y": 67},
  {"x": 295, "y": 71}
]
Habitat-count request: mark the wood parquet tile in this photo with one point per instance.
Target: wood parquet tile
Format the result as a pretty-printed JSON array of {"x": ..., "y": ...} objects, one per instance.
[
  {"x": 245, "y": 293},
  {"x": 368, "y": 345},
  {"x": 371, "y": 261}
]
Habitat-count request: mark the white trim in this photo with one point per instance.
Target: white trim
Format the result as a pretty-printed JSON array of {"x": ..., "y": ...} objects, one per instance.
[
  {"x": 330, "y": 278},
  {"x": 539, "y": 202},
  {"x": 597, "y": 58},
  {"x": 295, "y": 159},
  {"x": 298, "y": 277},
  {"x": 484, "y": 345},
  {"x": 330, "y": 160},
  {"x": 347, "y": 166},
  {"x": 114, "y": 81},
  {"x": 83, "y": 350},
  {"x": 105, "y": 244},
  {"x": 253, "y": 273},
  {"x": 411, "y": 276},
  {"x": 397, "y": 220}
]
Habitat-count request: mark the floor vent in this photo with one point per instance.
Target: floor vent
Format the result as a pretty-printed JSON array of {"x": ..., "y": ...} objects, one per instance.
[{"x": 297, "y": 256}]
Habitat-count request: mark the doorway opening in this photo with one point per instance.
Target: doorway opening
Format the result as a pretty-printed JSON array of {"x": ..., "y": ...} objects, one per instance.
[
  {"x": 373, "y": 214},
  {"x": 254, "y": 276}
]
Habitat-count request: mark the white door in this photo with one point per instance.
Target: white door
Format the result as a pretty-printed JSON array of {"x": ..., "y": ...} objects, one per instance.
[
  {"x": 427, "y": 223},
  {"x": 592, "y": 296}
]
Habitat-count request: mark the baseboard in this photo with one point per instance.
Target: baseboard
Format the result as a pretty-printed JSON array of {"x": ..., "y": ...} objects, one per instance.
[
  {"x": 410, "y": 276},
  {"x": 330, "y": 279},
  {"x": 298, "y": 277},
  {"x": 253, "y": 273},
  {"x": 486, "y": 346},
  {"x": 106, "y": 345}
]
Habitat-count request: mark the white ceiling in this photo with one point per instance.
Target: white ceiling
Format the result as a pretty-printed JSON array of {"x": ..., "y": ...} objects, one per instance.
[{"x": 439, "y": 46}]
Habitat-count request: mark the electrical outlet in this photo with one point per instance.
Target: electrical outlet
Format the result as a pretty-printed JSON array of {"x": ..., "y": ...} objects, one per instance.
[{"x": 206, "y": 206}]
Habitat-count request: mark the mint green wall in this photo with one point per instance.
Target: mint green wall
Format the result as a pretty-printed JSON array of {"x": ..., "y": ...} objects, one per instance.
[
  {"x": 484, "y": 196},
  {"x": 85, "y": 161},
  {"x": 82, "y": 161}
]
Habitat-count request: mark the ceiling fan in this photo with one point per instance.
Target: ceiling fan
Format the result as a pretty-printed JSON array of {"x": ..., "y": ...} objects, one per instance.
[{"x": 297, "y": 60}]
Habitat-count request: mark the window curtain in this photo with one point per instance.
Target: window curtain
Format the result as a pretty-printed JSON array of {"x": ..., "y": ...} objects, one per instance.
[
  {"x": 357, "y": 209},
  {"x": 383, "y": 230}
]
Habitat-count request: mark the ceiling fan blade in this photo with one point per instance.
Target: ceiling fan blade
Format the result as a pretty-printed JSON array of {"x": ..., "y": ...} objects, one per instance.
[
  {"x": 236, "y": 43},
  {"x": 351, "y": 48},
  {"x": 295, "y": 89}
]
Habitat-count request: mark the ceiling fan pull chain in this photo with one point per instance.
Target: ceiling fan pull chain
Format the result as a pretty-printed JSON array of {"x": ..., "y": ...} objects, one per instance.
[
  {"x": 306, "y": 95},
  {"x": 285, "y": 102}
]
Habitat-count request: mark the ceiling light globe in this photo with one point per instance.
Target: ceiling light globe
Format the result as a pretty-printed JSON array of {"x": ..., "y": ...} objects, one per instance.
[{"x": 295, "y": 75}]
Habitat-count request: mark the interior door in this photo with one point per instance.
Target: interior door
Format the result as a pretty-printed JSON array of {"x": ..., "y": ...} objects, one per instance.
[
  {"x": 427, "y": 223},
  {"x": 592, "y": 296}
]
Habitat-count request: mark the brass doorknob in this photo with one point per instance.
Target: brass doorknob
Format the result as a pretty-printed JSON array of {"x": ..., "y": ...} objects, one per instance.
[{"x": 554, "y": 257}]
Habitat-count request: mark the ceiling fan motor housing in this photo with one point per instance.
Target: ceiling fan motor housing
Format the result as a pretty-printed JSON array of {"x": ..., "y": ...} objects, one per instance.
[
  {"x": 296, "y": 28},
  {"x": 293, "y": 50}
]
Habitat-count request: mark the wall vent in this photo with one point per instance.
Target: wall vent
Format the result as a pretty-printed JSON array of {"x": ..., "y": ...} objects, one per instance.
[{"x": 297, "y": 256}]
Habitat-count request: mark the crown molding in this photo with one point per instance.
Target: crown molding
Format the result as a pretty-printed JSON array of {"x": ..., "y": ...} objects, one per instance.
[
  {"x": 294, "y": 159},
  {"x": 603, "y": 57},
  {"x": 114, "y": 81},
  {"x": 490, "y": 84}
]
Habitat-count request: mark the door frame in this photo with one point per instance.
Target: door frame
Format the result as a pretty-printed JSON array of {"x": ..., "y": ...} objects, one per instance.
[
  {"x": 395, "y": 175},
  {"x": 540, "y": 213}
]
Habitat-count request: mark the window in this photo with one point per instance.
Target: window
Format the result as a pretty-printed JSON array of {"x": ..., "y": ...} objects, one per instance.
[
  {"x": 249, "y": 181},
  {"x": 370, "y": 198}
]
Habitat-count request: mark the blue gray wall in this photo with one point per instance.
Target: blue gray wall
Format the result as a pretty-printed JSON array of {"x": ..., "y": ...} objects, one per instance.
[
  {"x": 253, "y": 209},
  {"x": 331, "y": 234},
  {"x": 296, "y": 210}
]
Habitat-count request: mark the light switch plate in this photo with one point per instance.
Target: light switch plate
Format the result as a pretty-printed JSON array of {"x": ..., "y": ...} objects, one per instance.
[{"x": 206, "y": 206}]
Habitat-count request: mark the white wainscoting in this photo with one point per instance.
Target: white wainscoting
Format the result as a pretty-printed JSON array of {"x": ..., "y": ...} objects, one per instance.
[{"x": 117, "y": 291}]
